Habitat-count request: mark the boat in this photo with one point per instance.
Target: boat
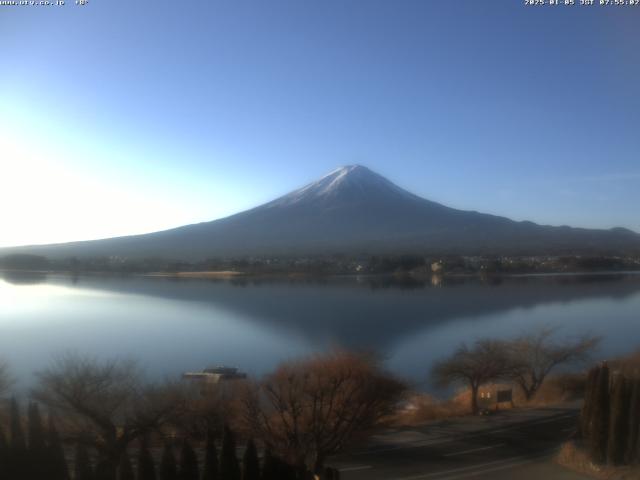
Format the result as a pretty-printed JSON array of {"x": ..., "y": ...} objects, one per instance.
[{"x": 216, "y": 374}]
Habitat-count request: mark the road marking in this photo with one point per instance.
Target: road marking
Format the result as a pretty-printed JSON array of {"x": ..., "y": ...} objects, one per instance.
[
  {"x": 488, "y": 470},
  {"x": 549, "y": 420},
  {"x": 463, "y": 469},
  {"x": 473, "y": 450},
  {"x": 469, "y": 471},
  {"x": 463, "y": 436},
  {"x": 355, "y": 468}
]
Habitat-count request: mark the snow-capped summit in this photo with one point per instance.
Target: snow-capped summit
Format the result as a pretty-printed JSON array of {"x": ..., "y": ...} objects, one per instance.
[{"x": 349, "y": 183}]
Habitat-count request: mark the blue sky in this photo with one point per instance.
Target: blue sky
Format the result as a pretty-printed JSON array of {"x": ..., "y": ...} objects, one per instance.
[{"x": 124, "y": 117}]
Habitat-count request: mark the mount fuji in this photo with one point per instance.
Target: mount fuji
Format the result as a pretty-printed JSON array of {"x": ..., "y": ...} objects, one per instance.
[{"x": 355, "y": 211}]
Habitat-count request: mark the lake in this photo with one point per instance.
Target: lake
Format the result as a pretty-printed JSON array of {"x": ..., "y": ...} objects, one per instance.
[{"x": 171, "y": 326}]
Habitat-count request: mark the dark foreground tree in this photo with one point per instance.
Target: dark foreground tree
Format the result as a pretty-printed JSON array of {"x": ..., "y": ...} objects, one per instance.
[
  {"x": 82, "y": 469},
  {"x": 18, "y": 441},
  {"x": 36, "y": 433},
  {"x": 250, "y": 462},
  {"x": 210, "y": 468},
  {"x": 146, "y": 466},
  {"x": 188, "y": 462},
  {"x": 487, "y": 361},
  {"x": 125, "y": 470},
  {"x": 38, "y": 458},
  {"x": 286, "y": 471},
  {"x": 168, "y": 467},
  {"x": 17, "y": 460},
  {"x": 631, "y": 454},
  {"x": 309, "y": 409},
  {"x": 600, "y": 418},
  {"x": 58, "y": 469},
  {"x": 106, "y": 469},
  {"x": 229, "y": 466},
  {"x": 534, "y": 355},
  {"x": 589, "y": 399},
  {"x": 618, "y": 422},
  {"x": 4, "y": 455},
  {"x": 331, "y": 474},
  {"x": 273, "y": 468},
  {"x": 269, "y": 466}
]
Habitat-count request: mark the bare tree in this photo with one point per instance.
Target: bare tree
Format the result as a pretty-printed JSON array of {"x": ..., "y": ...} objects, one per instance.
[
  {"x": 104, "y": 404},
  {"x": 206, "y": 411},
  {"x": 486, "y": 361},
  {"x": 310, "y": 409},
  {"x": 534, "y": 355}
]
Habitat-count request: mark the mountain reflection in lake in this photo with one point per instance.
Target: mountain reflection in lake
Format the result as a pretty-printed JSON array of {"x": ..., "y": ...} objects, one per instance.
[{"x": 172, "y": 325}]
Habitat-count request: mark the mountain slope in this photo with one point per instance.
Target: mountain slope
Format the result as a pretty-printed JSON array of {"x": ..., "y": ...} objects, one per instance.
[{"x": 352, "y": 210}]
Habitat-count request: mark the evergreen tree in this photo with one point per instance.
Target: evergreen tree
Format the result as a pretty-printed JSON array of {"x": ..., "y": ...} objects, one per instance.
[
  {"x": 637, "y": 453},
  {"x": 17, "y": 464},
  {"x": 106, "y": 470},
  {"x": 229, "y": 466},
  {"x": 600, "y": 418},
  {"x": 168, "y": 468},
  {"x": 210, "y": 470},
  {"x": 4, "y": 455},
  {"x": 83, "y": 469},
  {"x": 125, "y": 470},
  {"x": 250, "y": 462},
  {"x": 634, "y": 423},
  {"x": 274, "y": 468},
  {"x": 289, "y": 472},
  {"x": 57, "y": 463},
  {"x": 18, "y": 443},
  {"x": 269, "y": 466},
  {"x": 36, "y": 434},
  {"x": 327, "y": 474},
  {"x": 146, "y": 467},
  {"x": 587, "y": 406},
  {"x": 618, "y": 422},
  {"x": 188, "y": 462},
  {"x": 37, "y": 448}
]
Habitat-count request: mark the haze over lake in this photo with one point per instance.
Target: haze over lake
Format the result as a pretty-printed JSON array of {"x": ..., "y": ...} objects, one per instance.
[{"x": 171, "y": 326}]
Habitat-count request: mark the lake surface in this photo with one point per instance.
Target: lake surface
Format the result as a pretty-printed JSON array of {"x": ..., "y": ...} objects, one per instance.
[{"x": 171, "y": 326}]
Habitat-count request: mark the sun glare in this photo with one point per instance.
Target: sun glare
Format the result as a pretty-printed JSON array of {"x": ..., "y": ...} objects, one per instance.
[{"x": 45, "y": 198}]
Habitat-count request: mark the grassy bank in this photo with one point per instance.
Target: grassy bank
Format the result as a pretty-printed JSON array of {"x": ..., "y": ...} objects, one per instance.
[
  {"x": 423, "y": 408},
  {"x": 572, "y": 455}
]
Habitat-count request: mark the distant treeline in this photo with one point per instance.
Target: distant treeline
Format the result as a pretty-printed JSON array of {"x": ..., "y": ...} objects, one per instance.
[{"x": 330, "y": 264}]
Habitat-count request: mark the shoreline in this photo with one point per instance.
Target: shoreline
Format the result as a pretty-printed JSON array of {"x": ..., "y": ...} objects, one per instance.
[
  {"x": 228, "y": 274},
  {"x": 203, "y": 274}
]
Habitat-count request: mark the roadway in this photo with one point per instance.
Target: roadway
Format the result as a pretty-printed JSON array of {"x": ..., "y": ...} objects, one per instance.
[{"x": 511, "y": 444}]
